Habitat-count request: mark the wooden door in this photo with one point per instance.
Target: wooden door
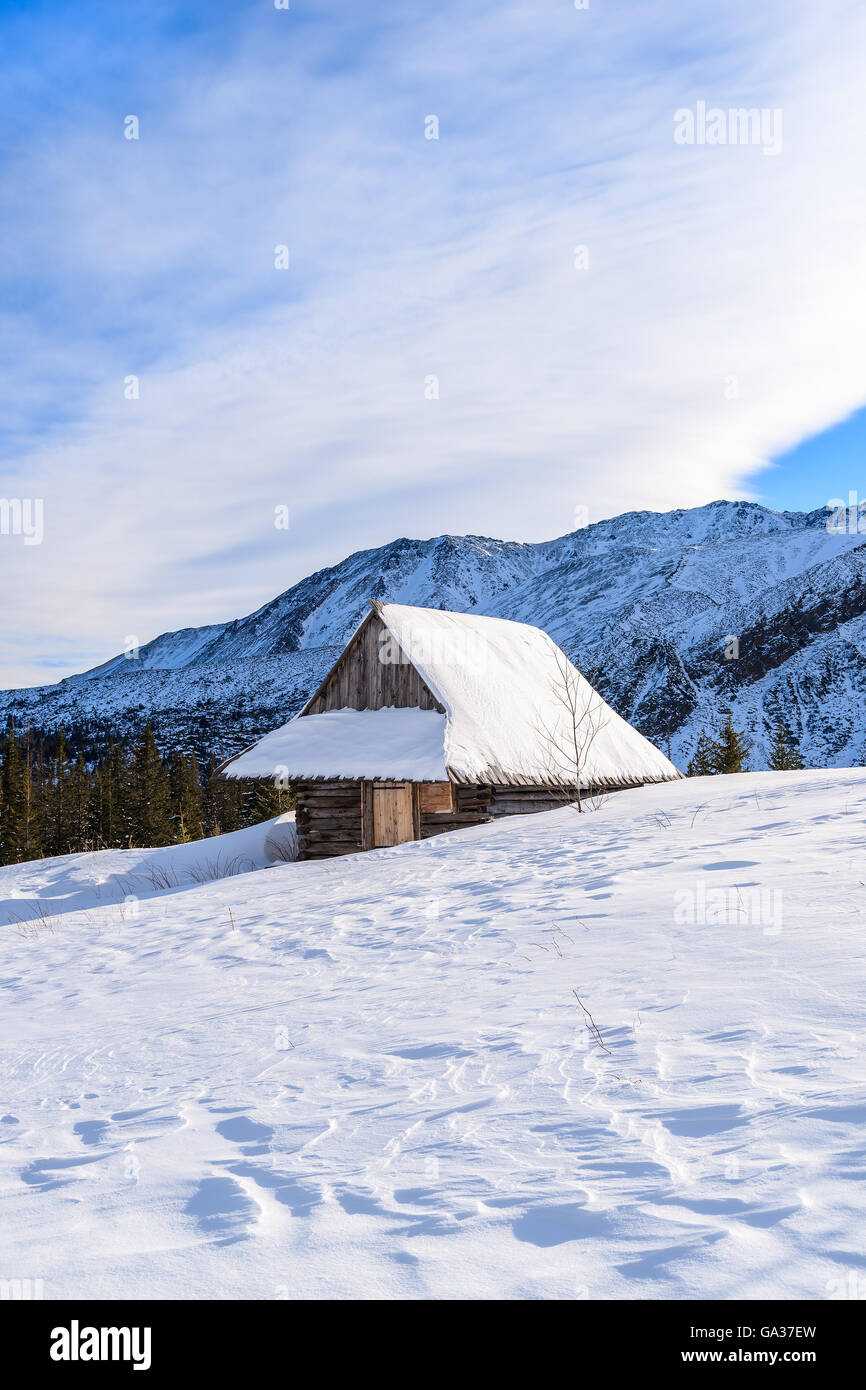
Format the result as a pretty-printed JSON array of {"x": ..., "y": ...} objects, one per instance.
[{"x": 392, "y": 813}]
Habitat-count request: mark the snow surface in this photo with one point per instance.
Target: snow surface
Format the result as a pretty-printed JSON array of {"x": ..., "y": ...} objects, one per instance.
[
  {"x": 370, "y": 1076},
  {"x": 76, "y": 882},
  {"x": 394, "y": 743}
]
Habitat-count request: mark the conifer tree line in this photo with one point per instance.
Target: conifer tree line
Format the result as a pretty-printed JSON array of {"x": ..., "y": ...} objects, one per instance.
[
  {"x": 729, "y": 751},
  {"x": 54, "y": 801}
]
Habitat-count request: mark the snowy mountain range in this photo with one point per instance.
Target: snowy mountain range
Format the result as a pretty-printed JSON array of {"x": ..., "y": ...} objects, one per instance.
[{"x": 673, "y": 615}]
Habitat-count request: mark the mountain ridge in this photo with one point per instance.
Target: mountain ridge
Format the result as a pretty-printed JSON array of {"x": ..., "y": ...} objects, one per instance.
[{"x": 647, "y": 603}]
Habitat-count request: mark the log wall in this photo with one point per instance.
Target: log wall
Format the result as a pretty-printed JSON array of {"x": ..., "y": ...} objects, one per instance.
[
  {"x": 328, "y": 819},
  {"x": 471, "y": 807},
  {"x": 521, "y": 801},
  {"x": 336, "y": 817}
]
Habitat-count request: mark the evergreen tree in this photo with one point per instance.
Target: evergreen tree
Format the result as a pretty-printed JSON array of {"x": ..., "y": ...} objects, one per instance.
[
  {"x": 58, "y": 813},
  {"x": 732, "y": 749},
  {"x": 112, "y": 797},
  {"x": 186, "y": 797},
  {"x": 14, "y": 828},
  {"x": 39, "y": 777},
  {"x": 266, "y": 801},
  {"x": 31, "y": 808},
  {"x": 150, "y": 794},
  {"x": 224, "y": 803},
  {"x": 784, "y": 753},
  {"x": 703, "y": 764},
  {"x": 82, "y": 832},
  {"x": 210, "y": 807}
]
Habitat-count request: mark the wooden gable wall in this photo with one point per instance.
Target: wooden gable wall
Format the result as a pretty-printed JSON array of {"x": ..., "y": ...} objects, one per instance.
[{"x": 360, "y": 680}]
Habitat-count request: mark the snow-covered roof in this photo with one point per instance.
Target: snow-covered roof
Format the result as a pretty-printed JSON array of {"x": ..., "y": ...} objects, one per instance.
[
  {"x": 395, "y": 744},
  {"x": 516, "y": 710}
]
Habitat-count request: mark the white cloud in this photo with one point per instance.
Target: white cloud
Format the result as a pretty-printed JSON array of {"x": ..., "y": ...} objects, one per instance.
[{"x": 606, "y": 387}]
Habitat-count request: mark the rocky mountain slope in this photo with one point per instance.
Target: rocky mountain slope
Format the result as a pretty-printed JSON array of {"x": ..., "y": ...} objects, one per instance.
[{"x": 674, "y": 615}]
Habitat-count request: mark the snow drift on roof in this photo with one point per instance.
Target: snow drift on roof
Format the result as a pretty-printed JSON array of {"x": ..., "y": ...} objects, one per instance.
[{"x": 396, "y": 744}]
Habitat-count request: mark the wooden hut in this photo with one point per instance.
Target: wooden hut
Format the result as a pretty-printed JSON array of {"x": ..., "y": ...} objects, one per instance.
[{"x": 430, "y": 721}]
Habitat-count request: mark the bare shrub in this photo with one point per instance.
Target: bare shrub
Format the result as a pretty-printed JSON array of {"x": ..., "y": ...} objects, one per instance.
[
  {"x": 215, "y": 869},
  {"x": 569, "y": 741},
  {"x": 41, "y": 920}
]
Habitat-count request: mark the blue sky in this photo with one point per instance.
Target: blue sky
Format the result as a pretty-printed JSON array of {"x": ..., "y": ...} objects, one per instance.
[
  {"x": 440, "y": 354},
  {"x": 824, "y": 466}
]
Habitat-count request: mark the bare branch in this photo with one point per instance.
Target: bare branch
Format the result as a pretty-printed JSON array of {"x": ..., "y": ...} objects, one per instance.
[{"x": 569, "y": 739}]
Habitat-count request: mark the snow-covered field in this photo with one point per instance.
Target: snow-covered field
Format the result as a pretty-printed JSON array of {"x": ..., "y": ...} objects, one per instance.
[{"x": 371, "y": 1077}]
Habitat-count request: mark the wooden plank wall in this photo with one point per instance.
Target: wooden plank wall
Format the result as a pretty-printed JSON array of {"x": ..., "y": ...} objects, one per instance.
[{"x": 361, "y": 681}]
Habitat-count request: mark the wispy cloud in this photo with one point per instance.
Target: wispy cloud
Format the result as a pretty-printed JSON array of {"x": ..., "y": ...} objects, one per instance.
[{"x": 715, "y": 316}]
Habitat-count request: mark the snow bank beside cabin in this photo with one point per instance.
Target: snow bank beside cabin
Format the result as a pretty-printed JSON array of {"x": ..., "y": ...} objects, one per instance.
[{"x": 50, "y": 888}]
